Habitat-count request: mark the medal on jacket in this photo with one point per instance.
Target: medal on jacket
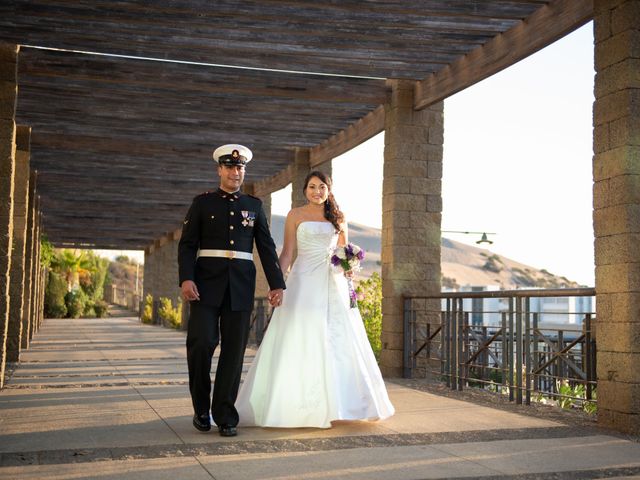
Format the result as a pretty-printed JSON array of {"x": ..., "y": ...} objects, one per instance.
[{"x": 248, "y": 218}]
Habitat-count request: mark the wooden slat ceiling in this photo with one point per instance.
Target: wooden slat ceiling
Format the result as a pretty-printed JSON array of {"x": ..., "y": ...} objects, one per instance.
[{"x": 122, "y": 144}]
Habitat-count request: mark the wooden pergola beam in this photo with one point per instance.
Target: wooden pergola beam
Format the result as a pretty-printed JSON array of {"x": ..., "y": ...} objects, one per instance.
[
  {"x": 352, "y": 136},
  {"x": 541, "y": 28},
  {"x": 274, "y": 183}
]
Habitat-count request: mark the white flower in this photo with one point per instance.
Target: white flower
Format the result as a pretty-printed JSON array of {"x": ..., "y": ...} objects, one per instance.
[{"x": 341, "y": 253}]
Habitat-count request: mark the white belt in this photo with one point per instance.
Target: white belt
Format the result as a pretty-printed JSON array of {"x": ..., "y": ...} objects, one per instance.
[{"x": 225, "y": 254}]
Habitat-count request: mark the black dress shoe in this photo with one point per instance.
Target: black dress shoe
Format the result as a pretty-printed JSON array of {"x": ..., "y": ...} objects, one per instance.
[
  {"x": 227, "y": 431},
  {"x": 202, "y": 422}
]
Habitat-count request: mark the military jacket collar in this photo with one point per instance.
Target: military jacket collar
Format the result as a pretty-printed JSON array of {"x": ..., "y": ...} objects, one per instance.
[{"x": 228, "y": 195}]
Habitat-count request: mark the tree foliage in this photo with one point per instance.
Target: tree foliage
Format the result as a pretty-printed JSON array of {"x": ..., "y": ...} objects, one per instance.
[{"x": 75, "y": 284}]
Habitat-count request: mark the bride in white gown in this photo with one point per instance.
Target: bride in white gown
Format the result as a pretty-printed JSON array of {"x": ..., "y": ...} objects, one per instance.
[{"x": 315, "y": 364}]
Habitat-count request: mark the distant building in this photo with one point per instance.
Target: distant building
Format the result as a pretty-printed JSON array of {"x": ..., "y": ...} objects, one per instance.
[{"x": 552, "y": 311}]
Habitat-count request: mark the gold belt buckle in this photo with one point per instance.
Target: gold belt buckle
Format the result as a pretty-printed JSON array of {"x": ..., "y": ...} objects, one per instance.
[{"x": 231, "y": 254}]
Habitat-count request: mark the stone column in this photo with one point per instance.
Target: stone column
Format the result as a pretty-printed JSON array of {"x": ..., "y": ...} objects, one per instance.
[
  {"x": 616, "y": 214},
  {"x": 301, "y": 169},
  {"x": 30, "y": 257},
  {"x": 149, "y": 273},
  {"x": 41, "y": 272},
  {"x": 411, "y": 215},
  {"x": 167, "y": 267},
  {"x": 18, "y": 336},
  {"x": 160, "y": 266},
  {"x": 8, "y": 96}
]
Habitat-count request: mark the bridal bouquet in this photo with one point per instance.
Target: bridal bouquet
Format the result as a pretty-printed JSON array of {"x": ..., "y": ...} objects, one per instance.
[{"x": 348, "y": 257}]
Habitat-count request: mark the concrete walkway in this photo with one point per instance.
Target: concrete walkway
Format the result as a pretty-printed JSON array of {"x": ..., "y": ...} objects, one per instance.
[{"x": 108, "y": 398}]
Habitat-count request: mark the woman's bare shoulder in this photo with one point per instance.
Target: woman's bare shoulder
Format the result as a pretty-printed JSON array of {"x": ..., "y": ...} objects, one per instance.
[{"x": 295, "y": 213}]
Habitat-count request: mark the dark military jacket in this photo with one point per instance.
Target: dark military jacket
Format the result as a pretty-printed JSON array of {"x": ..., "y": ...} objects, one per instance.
[{"x": 227, "y": 221}]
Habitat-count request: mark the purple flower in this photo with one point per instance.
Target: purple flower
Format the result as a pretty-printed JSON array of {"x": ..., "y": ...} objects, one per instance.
[
  {"x": 360, "y": 254},
  {"x": 335, "y": 261},
  {"x": 349, "y": 251}
]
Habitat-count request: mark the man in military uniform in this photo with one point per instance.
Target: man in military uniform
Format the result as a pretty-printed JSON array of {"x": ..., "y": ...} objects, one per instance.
[{"x": 218, "y": 277}]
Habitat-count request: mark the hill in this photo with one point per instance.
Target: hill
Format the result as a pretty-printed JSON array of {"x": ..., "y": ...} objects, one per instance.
[{"x": 462, "y": 265}]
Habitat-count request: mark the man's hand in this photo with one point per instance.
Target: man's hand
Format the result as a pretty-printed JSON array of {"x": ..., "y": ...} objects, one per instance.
[
  {"x": 275, "y": 297},
  {"x": 189, "y": 291}
]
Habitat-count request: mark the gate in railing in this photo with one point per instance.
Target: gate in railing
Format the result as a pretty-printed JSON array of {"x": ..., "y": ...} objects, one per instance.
[{"x": 520, "y": 345}]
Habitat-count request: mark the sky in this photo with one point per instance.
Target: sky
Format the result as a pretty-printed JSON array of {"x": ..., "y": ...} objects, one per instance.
[{"x": 517, "y": 162}]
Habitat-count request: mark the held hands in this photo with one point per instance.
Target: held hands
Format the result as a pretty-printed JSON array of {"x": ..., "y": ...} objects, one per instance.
[
  {"x": 275, "y": 297},
  {"x": 189, "y": 291}
]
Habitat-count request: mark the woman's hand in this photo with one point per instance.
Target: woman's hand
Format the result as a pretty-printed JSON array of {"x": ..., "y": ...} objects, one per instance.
[{"x": 348, "y": 273}]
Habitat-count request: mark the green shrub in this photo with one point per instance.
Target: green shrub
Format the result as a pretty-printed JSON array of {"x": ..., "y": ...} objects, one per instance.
[
  {"x": 47, "y": 251},
  {"x": 54, "y": 304},
  {"x": 370, "y": 305},
  {"x": 94, "y": 275},
  {"x": 75, "y": 300},
  {"x": 170, "y": 316},
  {"x": 100, "y": 308},
  {"x": 147, "y": 311},
  {"x": 89, "y": 310}
]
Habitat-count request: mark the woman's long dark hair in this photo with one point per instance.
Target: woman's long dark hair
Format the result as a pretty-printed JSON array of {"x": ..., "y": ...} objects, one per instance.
[{"x": 331, "y": 209}]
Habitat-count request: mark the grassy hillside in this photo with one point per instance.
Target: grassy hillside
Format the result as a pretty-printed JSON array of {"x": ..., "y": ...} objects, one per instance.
[{"x": 461, "y": 264}]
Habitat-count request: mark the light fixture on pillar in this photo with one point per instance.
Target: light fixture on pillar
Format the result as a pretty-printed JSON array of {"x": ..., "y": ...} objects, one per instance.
[{"x": 483, "y": 239}]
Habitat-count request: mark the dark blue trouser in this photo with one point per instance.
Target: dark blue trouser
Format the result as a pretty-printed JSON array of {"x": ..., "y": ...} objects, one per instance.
[{"x": 208, "y": 327}]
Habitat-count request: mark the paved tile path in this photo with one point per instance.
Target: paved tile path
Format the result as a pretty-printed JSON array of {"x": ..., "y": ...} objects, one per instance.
[{"x": 108, "y": 398}]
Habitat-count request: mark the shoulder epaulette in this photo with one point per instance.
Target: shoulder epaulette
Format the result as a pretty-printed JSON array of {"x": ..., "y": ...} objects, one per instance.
[
  {"x": 202, "y": 195},
  {"x": 253, "y": 196}
]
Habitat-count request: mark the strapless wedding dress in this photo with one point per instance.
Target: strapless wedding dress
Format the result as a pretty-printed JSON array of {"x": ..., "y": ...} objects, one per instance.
[{"x": 315, "y": 363}]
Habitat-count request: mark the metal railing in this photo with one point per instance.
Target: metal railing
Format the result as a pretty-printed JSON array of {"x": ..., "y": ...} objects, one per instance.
[
  {"x": 124, "y": 297},
  {"x": 509, "y": 347},
  {"x": 260, "y": 317}
]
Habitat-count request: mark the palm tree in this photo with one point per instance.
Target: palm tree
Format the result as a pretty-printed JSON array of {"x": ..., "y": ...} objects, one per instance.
[{"x": 70, "y": 263}]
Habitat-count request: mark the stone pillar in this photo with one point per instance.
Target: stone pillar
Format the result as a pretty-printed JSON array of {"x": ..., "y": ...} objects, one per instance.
[
  {"x": 411, "y": 214},
  {"x": 616, "y": 214},
  {"x": 167, "y": 267},
  {"x": 160, "y": 265},
  {"x": 30, "y": 257},
  {"x": 8, "y": 96},
  {"x": 301, "y": 169},
  {"x": 18, "y": 336},
  {"x": 149, "y": 272},
  {"x": 41, "y": 272}
]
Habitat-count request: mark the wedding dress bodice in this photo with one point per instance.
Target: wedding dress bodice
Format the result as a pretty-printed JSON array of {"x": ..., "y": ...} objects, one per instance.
[{"x": 315, "y": 240}]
